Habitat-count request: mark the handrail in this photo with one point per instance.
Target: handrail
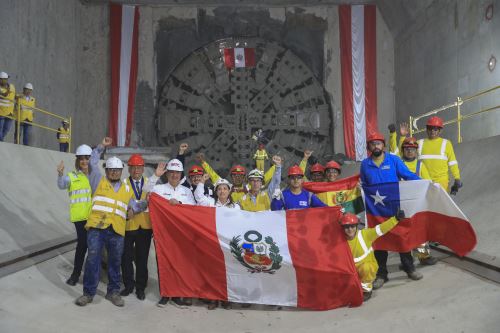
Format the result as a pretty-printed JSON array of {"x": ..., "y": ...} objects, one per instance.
[
  {"x": 458, "y": 105},
  {"x": 19, "y": 121}
]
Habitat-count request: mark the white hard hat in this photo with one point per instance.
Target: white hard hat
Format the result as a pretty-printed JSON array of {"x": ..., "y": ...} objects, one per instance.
[
  {"x": 66, "y": 121},
  {"x": 222, "y": 181},
  {"x": 256, "y": 173},
  {"x": 175, "y": 165},
  {"x": 4, "y": 75},
  {"x": 83, "y": 150},
  {"x": 114, "y": 163},
  {"x": 28, "y": 86}
]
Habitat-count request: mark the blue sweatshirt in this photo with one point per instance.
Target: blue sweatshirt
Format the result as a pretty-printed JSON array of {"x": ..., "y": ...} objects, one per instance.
[
  {"x": 289, "y": 200},
  {"x": 391, "y": 170}
]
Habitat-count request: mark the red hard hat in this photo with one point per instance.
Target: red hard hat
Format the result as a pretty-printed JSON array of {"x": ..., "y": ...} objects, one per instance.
[
  {"x": 317, "y": 168},
  {"x": 435, "y": 122},
  {"x": 238, "y": 170},
  {"x": 333, "y": 165},
  {"x": 195, "y": 170},
  {"x": 135, "y": 160},
  {"x": 295, "y": 171},
  {"x": 410, "y": 142},
  {"x": 376, "y": 136},
  {"x": 349, "y": 219},
  {"x": 262, "y": 146}
]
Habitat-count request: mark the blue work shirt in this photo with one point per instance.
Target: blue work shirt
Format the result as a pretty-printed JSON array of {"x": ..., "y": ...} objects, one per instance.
[
  {"x": 391, "y": 170},
  {"x": 289, "y": 200}
]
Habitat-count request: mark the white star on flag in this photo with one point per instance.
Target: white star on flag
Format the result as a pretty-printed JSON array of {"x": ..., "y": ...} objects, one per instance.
[{"x": 378, "y": 199}]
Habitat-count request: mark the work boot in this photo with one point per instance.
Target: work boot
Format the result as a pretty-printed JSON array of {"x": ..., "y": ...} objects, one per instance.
[
  {"x": 127, "y": 291},
  {"x": 84, "y": 300},
  {"x": 116, "y": 299},
  {"x": 429, "y": 261},
  {"x": 163, "y": 302},
  {"x": 73, "y": 280},
  {"x": 178, "y": 303},
  {"x": 140, "y": 295},
  {"x": 366, "y": 295},
  {"x": 414, "y": 275},
  {"x": 379, "y": 282}
]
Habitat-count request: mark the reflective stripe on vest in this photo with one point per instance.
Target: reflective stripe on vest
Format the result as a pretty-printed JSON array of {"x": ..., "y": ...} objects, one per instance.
[
  {"x": 432, "y": 157},
  {"x": 118, "y": 211},
  {"x": 378, "y": 230},
  {"x": 80, "y": 196},
  {"x": 366, "y": 250},
  {"x": 78, "y": 200},
  {"x": 79, "y": 192}
]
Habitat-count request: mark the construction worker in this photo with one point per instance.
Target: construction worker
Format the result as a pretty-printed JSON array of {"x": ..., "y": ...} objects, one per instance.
[
  {"x": 80, "y": 196},
  {"x": 409, "y": 150},
  {"x": 112, "y": 203},
  {"x": 386, "y": 168},
  {"x": 256, "y": 199},
  {"x": 176, "y": 194},
  {"x": 196, "y": 174},
  {"x": 438, "y": 156},
  {"x": 317, "y": 172},
  {"x": 138, "y": 235},
  {"x": 360, "y": 243},
  {"x": 295, "y": 197},
  {"x": 63, "y": 136},
  {"x": 260, "y": 157},
  {"x": 332, "y": 171},
  {"x": 7, "y": 98},
  {"x": 26, "y": 104}
]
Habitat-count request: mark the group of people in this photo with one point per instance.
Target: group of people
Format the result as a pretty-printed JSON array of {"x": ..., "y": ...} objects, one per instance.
[
  {"x": 25, "y": 104},
  {"x": 111, "y": 212}
]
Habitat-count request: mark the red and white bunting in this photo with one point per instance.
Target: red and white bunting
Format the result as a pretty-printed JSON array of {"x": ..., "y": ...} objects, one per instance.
[
  {"x": 359, "y": 79},
  {"x": 124, "y": 26}
]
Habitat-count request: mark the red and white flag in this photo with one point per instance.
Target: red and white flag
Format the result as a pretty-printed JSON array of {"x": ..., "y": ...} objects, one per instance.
[
  {"x": 431, "y": 215},
  {"x": 295, "y": 258},
  {"x": 359, "y": 76},
  {"x": 124, "y": 28},
  {"x": 239, "y": 57}
]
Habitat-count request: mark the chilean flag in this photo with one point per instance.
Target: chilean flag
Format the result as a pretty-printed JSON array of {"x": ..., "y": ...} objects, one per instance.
[
  {"x": 358, "y": 68},
  {"x": 239, "y": 57},
  {"x": 431, "y": 215},
  {"x": 124, "y": 32},
  {"x": 296, "y": 258}
]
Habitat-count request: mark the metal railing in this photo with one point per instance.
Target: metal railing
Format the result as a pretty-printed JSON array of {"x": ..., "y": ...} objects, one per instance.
[
  {"x": 50, "y": 114},
  {"x": 458, "y": 105}
]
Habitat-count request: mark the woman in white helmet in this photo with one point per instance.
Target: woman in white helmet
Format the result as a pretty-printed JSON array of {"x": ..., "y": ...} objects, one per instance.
[
  {"x": 80, "y": 192},
  {"x": 222, "y": 196}
]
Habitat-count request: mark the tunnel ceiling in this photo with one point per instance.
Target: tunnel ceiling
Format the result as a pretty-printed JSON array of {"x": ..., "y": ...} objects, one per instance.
[
  {"x": 397, "y": 14},
  {"x": 226, "y": 112}
]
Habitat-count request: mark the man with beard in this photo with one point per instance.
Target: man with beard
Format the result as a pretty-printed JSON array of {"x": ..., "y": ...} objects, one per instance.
[{"x": 380, "y": 168}]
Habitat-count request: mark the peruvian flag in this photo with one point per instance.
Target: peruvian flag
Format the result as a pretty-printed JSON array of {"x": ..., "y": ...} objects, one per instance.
[
  {"x": 431, "y": 215},
  {"x": 124, "y": 28},
  {"x": 239, "y": 57},
  {"x": 296, "y": 258},
  {"x": 359, "y": 76}
]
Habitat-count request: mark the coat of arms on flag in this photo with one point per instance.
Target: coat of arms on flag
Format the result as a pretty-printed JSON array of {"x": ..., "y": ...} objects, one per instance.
[{"x": 257, "y": 256}]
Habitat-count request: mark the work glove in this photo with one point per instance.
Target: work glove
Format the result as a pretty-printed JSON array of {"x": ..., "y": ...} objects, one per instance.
[
  {"x": 277, "y": 194},
  {"x": 456, "y": 186},
  {"x": 400, "y": 215},
  {"x": 392, "y": 128}
]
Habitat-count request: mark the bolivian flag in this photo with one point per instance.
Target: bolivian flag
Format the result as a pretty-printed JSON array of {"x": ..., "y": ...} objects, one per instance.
[{"x": 343, "y": 192}]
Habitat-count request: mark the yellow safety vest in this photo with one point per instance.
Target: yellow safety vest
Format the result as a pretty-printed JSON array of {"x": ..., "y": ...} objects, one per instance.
[
  {"x": 64, "y": 135},
  {"x": 140, "y": 220},
  {"x": 80, "y": 196},
  {"x": 260, "y": 155},
  {"x": 422, "y": 172},
  {"x": 7, "y": 102},
  {"x": 26, "y": 106},
  {"x": 109, "y": 208},
  {"x": 439, "y": 157},
  {"x": 262, "y": 202}
]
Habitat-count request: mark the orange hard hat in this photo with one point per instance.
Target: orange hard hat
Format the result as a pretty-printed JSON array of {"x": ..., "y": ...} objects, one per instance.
[
  {"x": 317, "y": 168},
  {"x": 195, "y": 170},
  {"x": 376, "y": 136},
  {"x": 333, "y": 165},
  {"x": 435, "y": 122},
  {"x": 410, "y": 142},
  {"x": 238, "y": 170},
  {"x": 135, "y": 160},
  {"x": 295, "y": 170},
  {"x": 349, "y": 219}
]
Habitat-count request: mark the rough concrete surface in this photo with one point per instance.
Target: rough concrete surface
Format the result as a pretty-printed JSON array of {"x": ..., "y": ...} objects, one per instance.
[{"x": 445, "y": 300}]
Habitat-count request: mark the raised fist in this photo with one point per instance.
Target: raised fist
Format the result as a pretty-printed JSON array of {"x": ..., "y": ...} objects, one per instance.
[
  {"x": 200, "y": 158},
  {"x": 277, "y": 160},
  {"x": 60, "y": 168},
  {"x": 183, "y": 147},
  {"x": 392, "y": 128},
  {"x": 307, "y": 154},
  {"x": 107, "y": 141}
]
